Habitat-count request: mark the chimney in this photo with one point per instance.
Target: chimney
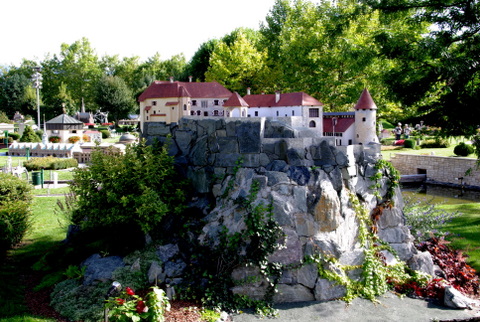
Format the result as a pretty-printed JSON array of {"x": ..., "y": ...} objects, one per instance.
[
  {"x": 248, "y": 90},
  {"x": 190, "y": 78},
  {"x": 171, "y": 79},
  {"x": 277, "y": 96}
]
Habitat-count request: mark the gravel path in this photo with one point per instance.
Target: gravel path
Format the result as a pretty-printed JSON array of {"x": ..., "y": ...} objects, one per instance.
[{"x": 390, "y": 308}]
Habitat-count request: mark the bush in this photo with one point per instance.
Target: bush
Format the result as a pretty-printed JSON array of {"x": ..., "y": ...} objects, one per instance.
[
  {"x": 424, "y": 219},
  {"x": 14, "y": 136},
  {"x": 409, "y": 143},
  {"x": 74, "y": 139},
  {"x": 50, "y": 163},
  {"x": 10, "y": 139},
  {"x": 463, "y": 149},
  {"x": 15, "y": 212},
  {"x": 29, "y": 135},
  {"x": 435, "y": 143},
  {"x": 105, "y": 134}
]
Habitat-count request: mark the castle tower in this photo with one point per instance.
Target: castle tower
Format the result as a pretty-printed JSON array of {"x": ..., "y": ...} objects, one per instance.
[{"x": 365, "y": 119}]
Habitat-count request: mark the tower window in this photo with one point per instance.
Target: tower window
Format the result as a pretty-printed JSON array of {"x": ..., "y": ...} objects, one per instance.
[{"x": 364, "y": 119}]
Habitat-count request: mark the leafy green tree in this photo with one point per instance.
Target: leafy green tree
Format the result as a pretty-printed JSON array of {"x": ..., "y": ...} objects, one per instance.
[
  {"x": 114, "y": 96},
  {"x": 29, "y": 135},
  {"x": 438, "y": 73},
  {"x": 200, "y": 62},
  {"x": 238, "y": 65},
  {"x": 13, "y": 93},
  {"x": 15, "y": 210},
  {"x": 4, "y": 117},
  {"x": 137, "y": 188}
]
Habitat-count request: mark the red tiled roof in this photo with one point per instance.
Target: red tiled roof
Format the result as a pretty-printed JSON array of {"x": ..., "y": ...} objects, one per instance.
[
  {"x": 365, "y": 102},
  {"x": 286, "y": 99},
  {"x": 342, "y": 124},
  {"x": 148, "y": 108},
  {"x": 161, "y": 89},
  {"x": 235, "y": 101},
  {"x": 171, "y": 103}
]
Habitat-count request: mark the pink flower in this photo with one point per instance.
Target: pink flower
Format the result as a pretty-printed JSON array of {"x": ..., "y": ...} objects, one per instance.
[
  {"x": 120, "y": 301},
  {"x": 129, "y": 291},
  {"x": 141, "y": 307}
]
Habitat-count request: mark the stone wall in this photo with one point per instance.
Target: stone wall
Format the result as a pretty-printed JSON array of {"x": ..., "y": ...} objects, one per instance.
[
  {"x": 305, "y": 178},
  {"x": 437, "y": 168}
]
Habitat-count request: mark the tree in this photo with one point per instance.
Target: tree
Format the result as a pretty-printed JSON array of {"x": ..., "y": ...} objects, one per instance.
[
  {"x": 237, "y": 66},
  {"x": 114, "y": 96},
  {"x": 438, "y": 73},
  {"x": 137, "y": 189},
  {"x": 29, "y": 135},
  {"x": 200, "y": 62}
]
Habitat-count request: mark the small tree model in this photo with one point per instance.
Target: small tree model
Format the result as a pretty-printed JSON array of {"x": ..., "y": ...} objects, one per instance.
[{"x": 29, "y": 135}]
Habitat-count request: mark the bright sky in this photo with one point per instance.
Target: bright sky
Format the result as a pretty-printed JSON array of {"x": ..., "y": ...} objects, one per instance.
[{"x": 32, "y": 29}]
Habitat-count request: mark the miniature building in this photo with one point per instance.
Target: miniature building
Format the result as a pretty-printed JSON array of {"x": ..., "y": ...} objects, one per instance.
[{"x": 64, "y": 127}]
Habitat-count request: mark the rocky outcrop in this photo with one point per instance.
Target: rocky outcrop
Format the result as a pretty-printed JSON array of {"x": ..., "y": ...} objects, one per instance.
[{"x": 307, "y": 180}]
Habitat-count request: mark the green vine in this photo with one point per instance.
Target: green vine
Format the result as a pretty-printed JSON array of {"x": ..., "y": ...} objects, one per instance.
[
  {"x": 385, "y": 169},
  {"x": 377, "y": 277}
]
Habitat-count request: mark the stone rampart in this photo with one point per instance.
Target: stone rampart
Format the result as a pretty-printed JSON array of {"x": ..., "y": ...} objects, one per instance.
[
  {"x": 438, "y": 169},
  {"x": 307, "y": 181}
]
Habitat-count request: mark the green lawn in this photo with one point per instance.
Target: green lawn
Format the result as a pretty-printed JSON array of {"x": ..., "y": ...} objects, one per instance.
[
  {"x": 47, "y": 231},
  {"x": 464, "y": 231}
]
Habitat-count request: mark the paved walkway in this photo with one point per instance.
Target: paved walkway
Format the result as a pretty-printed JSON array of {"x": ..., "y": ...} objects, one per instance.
[{"x": 390, "y": 308}]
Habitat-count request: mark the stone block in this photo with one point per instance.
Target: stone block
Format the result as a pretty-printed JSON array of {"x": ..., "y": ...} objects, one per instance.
[
  {"x": 326, "y": 290},
  {"x": 292, "y": 293}
]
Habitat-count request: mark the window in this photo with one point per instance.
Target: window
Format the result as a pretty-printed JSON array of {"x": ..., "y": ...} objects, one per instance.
[
  {"x": 194, "y": 102},
  {"x": 198, "y": 113},
  {"x": 293, "y": 113},
  {"x": 154, "y": 103},
  {"x": 364, "y": 119},
  {"x": 215, "y": 113},
  {"x": 205, "y": 113},
  {"x": 147, "y": 118},
  {"x": 192, "y": 112},
  {"x": 215, "y": 102},
  {"x": 312, "y": 124},
  {"x": 184, "y": 107},
  {"x": 277, "y": 113},
  {"x": 154, "y": 112},
  {"x": 313, "y": 112},
  {"x": 256, "y": 113},
  {"x": 204, "y": 104}
]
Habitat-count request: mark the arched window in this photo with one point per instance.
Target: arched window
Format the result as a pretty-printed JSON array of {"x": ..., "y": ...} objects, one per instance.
[{"x": 312, "y": 124}]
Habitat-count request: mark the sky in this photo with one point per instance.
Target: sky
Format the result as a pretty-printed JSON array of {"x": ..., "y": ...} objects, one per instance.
[{"x": 32, "y": 29}]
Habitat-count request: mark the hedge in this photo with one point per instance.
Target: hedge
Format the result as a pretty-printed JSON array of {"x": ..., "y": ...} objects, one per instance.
[{"x": 50, "y": 163}]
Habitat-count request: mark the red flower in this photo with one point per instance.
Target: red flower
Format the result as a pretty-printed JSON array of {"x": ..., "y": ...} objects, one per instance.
[
  {"x": 129, "y": 291},
  {"x": 120, "y": 301},
  {"x": 141, "y": 307}
]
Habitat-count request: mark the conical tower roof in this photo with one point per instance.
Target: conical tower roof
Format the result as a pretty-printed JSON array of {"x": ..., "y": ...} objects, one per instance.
[{"x": 365, "y": 102}]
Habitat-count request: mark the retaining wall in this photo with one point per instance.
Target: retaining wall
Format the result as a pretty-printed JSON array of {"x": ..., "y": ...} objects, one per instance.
[{"x": 437, "y": 168}]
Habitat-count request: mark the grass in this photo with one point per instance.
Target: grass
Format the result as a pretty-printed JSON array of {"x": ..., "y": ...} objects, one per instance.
[
  {"x": 46, "y": 232},
  {"x": 464, "y": 231}
]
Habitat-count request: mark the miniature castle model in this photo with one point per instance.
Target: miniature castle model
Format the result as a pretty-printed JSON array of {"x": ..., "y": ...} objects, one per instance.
[{"x": 169, "y": 101}]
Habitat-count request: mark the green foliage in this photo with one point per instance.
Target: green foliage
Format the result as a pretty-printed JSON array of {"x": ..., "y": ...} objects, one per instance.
[
  {"x": 73, "y": 139},
  {"x": 75, "y": 272},
  {"x": 113, "y": 94},
  {"x": 50, "y": 163},
  {"x": 128, "y": 306},
  {"x": 15, "y": 210},
  {"x": 4, "y": 117},
  {"x": 463, "y": 149},
  {"x": 438, "y": 142},
  {"x": 2, "y": 138},
  {"x": 136, "y": 188},
  {"x": 426, "y": 219},
  {"x": 385, "y": 169},
  {"x": 409, "y": 144},
  {"x": 105, "y": 134},
  {"x": 29, "y": 135},
  {"x": 14, "y": 135}
]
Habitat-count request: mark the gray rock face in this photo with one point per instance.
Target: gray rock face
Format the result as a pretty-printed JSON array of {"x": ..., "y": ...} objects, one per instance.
[
  {"x": 308, "y": 182},
  {"x": 100, "y": 269}
]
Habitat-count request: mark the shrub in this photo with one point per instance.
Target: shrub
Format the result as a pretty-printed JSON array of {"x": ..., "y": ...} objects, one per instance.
[
  {"x": 50, "y": 163},
  {"x": 74, "y": 139},
  {"x": 463, "y": 149},
  {"x": 409, "y": 143},
  {"x": 424, "y": 219},
  {"x": 15, "y": 212},
  {"x": 54, "y": 139},
  {"x": 14, "y": 136},
  {"x": 10, "y": 139},
  {"x": 105, "y": 134},
  {"x": 435, "y": 143},
  {"x": 142, "y": 180},
  {"x": 29, "y": 135}
]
